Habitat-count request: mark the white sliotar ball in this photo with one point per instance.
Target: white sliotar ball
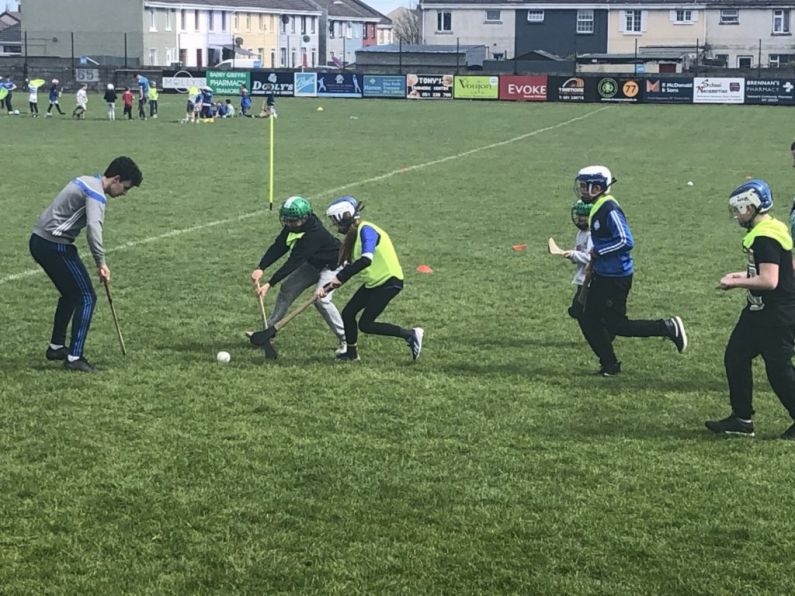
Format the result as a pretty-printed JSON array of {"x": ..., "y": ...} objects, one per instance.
[
  {"x": 690, "y": 183},
  {"x": 223, "y": 357}
]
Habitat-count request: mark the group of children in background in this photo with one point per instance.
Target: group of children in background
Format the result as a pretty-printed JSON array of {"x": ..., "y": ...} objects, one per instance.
[
  {"x": 147, "y": 94},
  {"x": 200, "y": 104}
]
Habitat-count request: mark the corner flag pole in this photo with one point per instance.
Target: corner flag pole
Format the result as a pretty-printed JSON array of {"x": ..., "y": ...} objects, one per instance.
[{"x": 271, "y": 149}]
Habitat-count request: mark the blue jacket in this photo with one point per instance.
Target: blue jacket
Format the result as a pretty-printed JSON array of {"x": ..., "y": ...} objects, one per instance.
[{"x": 612, "y": 240}]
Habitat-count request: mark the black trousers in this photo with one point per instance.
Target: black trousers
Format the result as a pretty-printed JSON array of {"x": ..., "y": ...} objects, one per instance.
[
  {"x": 34, "y": 107},
  {"x": 605, "y": 316},
  {"x": 372, "y": 301},
  {"x": 57, "y": 107},
  {"x": 775, "y": 344},
  {"x": 78, "y": 299}
]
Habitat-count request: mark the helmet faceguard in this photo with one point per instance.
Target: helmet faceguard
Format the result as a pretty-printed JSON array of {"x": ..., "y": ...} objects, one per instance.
[
  {"x": 580, "y": 210},
  {"x": 294, "y": 212},
  {"x": 343, "y": 212},
  {"x": 592, "y": 182},
  {"x": 749, "y": 200}
]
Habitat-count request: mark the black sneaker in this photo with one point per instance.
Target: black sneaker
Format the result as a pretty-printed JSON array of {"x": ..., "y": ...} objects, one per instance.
[
  {"x": 57, "y": 354},
  {"x": 609, "y": 371},
  {"x": 415, "y": 342},
  {"x": 351, "y": 354},
  {"x": 789, "y": 434},
  {"x": 732, "y": 426},
  {"x": 81, "y": 364},
  {"x": 677, "y": 333}
]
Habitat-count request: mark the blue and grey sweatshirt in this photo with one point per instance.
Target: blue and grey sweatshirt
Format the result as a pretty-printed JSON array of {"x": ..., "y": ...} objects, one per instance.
[{"x": 81, "y": 204}]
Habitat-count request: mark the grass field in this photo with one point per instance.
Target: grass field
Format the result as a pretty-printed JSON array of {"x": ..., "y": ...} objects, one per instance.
[{"x": 495, "y": 464}]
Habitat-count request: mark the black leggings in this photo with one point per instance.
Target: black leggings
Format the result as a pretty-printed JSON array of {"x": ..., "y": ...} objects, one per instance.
[
  {"x": 373, "y": 301},
  {"x": 34, "y": 107}
]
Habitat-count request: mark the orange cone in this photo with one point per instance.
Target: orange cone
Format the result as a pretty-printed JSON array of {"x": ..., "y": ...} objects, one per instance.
[
  {"x": 518, "y": 247},
  {"x": 424, "y": 269}
]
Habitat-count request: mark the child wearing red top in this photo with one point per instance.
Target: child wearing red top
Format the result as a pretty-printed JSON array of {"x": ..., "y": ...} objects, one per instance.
[{"x": 127, "y": 98}]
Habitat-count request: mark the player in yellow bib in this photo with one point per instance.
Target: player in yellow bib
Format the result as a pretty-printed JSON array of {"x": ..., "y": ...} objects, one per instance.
[
  {"x": 368, "y": 250},
  {"x": 767, "y": 323}
]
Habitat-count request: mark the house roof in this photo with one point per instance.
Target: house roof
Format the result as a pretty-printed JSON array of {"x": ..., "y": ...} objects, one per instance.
[
  {"x": 352, "y": 9},
  {"x": 556, "y": 4},
  {"x": 12, "y": 34},
  {"x": 282, "y": 5}
]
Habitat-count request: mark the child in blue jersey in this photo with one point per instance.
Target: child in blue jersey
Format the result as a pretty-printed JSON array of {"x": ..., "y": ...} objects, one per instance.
[
  {"x": 81, "y": 204},
  {"x": 367, "y": 249},
  {"x": 54, "y": 97},
  {"x": 611, "y": 270}
]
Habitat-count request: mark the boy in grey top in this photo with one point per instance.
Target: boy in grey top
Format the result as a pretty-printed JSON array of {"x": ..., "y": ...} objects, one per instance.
[{"x": 81, "y": 204}]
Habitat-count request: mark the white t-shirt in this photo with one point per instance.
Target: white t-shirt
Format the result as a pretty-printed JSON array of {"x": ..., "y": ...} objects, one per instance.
[
  {"x": 82, "y": 98},
  {"x": 581, "y": 255}
]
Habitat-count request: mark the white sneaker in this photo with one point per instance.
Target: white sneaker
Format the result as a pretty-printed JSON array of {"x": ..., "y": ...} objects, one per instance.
[
  {"x": 342, "y": 349},
  {"x": 415, "y": 342}
]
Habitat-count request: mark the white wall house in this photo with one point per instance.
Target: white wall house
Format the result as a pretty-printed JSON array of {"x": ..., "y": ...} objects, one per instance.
[
  {"x": 740, "y": 34},
  {"x": 491, "y": 25}
]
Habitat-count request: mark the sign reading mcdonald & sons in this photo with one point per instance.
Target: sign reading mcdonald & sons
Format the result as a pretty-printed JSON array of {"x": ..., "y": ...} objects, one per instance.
[{"x": 668, "y": 90}]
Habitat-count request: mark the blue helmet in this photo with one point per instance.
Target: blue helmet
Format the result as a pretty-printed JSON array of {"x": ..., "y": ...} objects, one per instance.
[{"x": 753, "y": 193}]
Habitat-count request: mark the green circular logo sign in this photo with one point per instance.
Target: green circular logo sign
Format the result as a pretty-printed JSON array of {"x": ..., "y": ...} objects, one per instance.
[{"x": 608, "y": 87}]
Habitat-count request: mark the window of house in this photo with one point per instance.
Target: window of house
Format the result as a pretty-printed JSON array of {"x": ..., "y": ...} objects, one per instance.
[
  {"x": 584, "y": 21},
  {"x": 282, "y": 57},
  {"x": 292, "y": 59},
  {"x": 444, "y": 20},
  {"x": 729, "y": 16},
  {"x": 273, "y": 58},
  {"x": 313, "y": 24},
  {"x": 153, "y": 57},
  {"x": 183, "y": 20},
  {"x": 211, "y": 20},
  {"x": 152, "y": 19},
  {"x": 314, "y": 57},
  {"x": 493, "y": 16},
  {"x": 349, "y": 30},
  {"x": 780, "y": 60},
  {"x": 262, "y": 25},
  {"x": 292, "y": 25},
  {"x": 237, "y": 22},
  {"x": 535, "y": 16},
  {"x": 284, "y": 20},
  {"x": 683, "y": 16},
  {"x": 781, "y": 21},
  {"x": 223, "y": 21},
  {"x": 745, "y": 61},
  {"x": 331, "y": 29},
  {"x": 261, "y": 55},
  {"x": 632, "y": 21},
  {"x": 196, "y": 17},
  {"x": 248, "y": 21},
  {"x": 169, "y": 17},
  {"x": 303, "y": 25}
]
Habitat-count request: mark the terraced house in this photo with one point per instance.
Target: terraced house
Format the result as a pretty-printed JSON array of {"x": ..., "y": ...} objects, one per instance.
[
  {"x": 202, "y": 33},
  {"x": 738, "y": 33}
]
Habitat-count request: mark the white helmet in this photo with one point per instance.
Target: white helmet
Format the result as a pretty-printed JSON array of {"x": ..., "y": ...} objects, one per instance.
[
  {"x": 55, "y": 81},
  {"x": 110, "y": 86},
  {"x": 590, "y": 176},
  {"x": 343, "y": 208}
]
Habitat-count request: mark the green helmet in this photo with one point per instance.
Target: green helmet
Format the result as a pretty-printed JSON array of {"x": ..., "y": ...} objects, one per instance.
[
  {"x": 295, "y": 208},
  {"x": 580, "y": 209}
]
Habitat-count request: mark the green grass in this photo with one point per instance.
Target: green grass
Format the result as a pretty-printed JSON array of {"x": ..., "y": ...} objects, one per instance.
[{"x": 495, "y": 464}]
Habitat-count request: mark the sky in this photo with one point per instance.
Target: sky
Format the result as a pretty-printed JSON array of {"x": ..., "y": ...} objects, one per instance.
[
  {"x": 387, "y": 6},
  {"x": 11, "y": 5}
]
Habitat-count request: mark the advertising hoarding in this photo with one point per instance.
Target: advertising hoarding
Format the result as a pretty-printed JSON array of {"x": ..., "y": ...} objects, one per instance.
[
  {"x": 718, "y": 90},
  {"x": 429, "y": 86},
  {"x": 384, "y": 86},
  {"x": 476, "y": 87},
  {"x": 523, "y": 88}
]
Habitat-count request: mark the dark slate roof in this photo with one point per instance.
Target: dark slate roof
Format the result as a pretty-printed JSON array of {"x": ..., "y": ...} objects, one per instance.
[
  {"x": 520, "y": 4},
  {"x": 12, "y": 34},
  {"x": 419, "y": 49},
  {"x": 284, "y": 5}
]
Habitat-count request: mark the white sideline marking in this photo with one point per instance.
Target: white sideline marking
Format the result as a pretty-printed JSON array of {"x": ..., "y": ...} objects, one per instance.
[{"x": 406, "y": 170}]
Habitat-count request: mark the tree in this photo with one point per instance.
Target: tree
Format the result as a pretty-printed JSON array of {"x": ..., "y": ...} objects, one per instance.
[{"x": 406, "y": 26}]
